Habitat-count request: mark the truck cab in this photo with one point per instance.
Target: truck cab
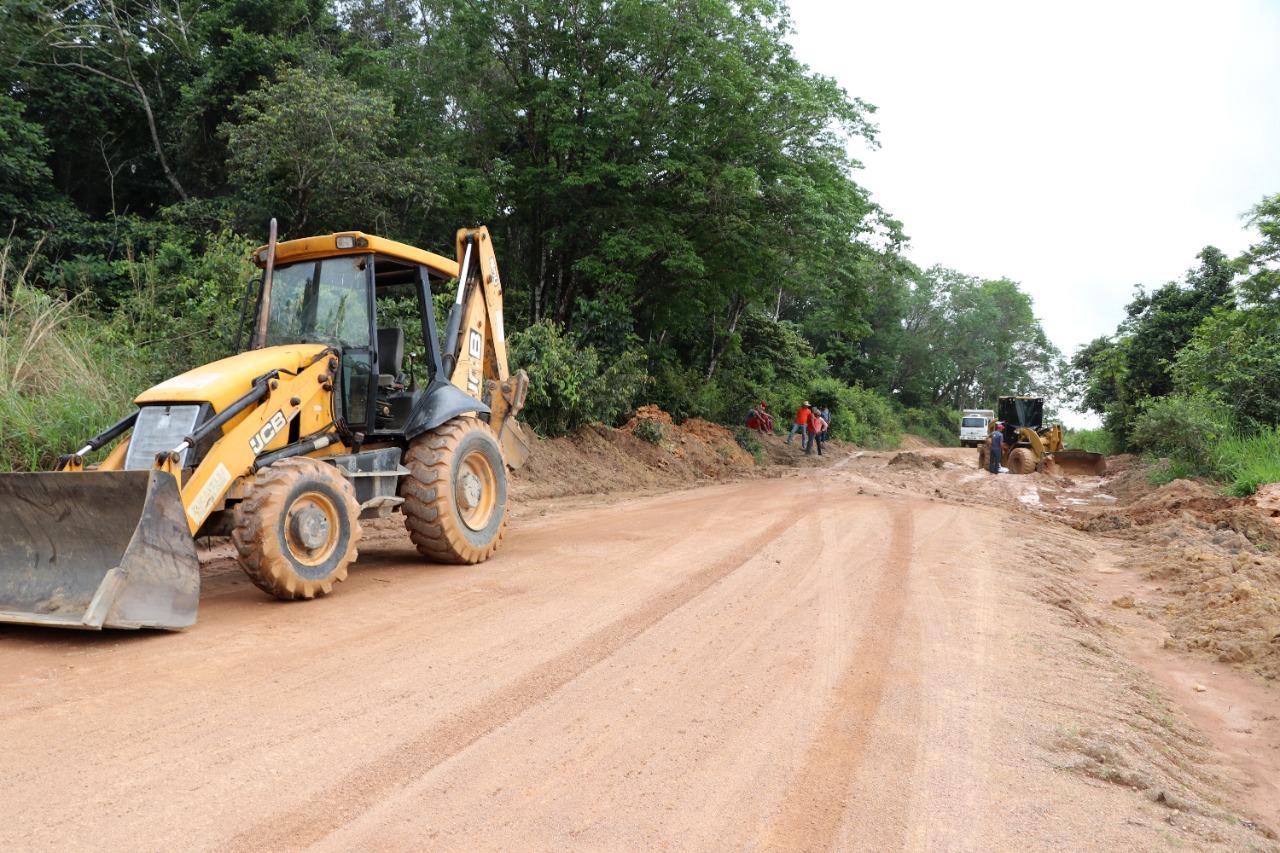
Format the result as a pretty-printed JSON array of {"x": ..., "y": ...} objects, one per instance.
[{"x": 973, "y": 426}]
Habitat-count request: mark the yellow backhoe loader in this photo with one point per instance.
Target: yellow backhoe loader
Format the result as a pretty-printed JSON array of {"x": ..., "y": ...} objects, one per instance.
[
  {"x": 1029, "y": 445},
  {"x": 287, "y": 445}
]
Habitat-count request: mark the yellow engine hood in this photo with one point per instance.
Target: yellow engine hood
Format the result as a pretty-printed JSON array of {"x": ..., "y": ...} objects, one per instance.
[{"x": 223, "y": 382}]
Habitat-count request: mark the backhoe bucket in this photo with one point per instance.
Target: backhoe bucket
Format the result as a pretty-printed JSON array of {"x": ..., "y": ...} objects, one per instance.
[
  {"x": 515, "y": 444},
  {"x": 98, "y": 549},
  {"x": 1081, "y": 463}
]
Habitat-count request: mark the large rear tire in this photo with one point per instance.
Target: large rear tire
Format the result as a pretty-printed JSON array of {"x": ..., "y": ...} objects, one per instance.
[
  {"x": 1021, "y": 461},
  {"x": 455, "y": 497},
  {"x": 296, "y": 530}
]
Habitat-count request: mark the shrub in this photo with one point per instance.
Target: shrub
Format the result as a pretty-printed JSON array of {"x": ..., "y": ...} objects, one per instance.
[
  {"x": 651, "y": 431},
  {"x": 568, "y": 385},
  {"x": 936, "y": 423},
  {"x": 1168, "y": 470},
  {"x": 1092, "y": 440},
  {"x": 183, "y": 308},
  {"x": 750, "y": 442},
  {"x": 857, "y": 415},
  {"x": 1182, "y": 427},
  {"x": 687, "y": 393},
  {"x": 59, "y": 383}
]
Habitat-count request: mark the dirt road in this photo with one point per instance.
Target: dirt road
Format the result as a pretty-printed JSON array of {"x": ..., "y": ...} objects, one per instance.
[{"x": 813, "y": 662}]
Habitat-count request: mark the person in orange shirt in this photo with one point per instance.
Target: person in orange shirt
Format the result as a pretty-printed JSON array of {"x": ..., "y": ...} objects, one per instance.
[{"x": 801, "y": 425}]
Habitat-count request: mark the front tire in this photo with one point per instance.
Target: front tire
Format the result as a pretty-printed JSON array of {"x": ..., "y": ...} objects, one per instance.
[
  {"x": 455, "y": 497},
  {"x": 296, "y": 530},
  {"x": 1022, "y": 461}
]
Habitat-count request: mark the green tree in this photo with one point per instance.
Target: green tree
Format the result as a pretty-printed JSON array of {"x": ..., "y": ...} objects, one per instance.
[
  {"x": 1115, "y": 379},
  {"x": 1260, "y": 263},
  {"x": 1234, "y": 357},
  {"x": 1160, "y": 323},
  {"x": 317, "y": 149},
  {"x": 25, "y": 177}
]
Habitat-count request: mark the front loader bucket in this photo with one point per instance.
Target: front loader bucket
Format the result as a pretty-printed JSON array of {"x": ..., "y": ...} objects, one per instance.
[
  {"x": 98, "y": 549},
  {"x": 1081, "y": 463}
]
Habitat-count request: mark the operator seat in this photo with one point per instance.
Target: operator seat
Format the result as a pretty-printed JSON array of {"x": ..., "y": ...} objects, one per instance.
[
  {"x": 390, "y": 356},
  {"x": 394, "y": 402}
]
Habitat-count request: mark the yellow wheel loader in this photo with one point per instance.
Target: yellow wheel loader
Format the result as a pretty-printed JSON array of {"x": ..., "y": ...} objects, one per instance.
[
  {"x": 286, "y": 446},
  {"x": 1029, "y": 445}
]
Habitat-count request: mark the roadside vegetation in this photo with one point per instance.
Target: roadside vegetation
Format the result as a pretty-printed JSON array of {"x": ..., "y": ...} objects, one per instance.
[
  {"x": 649, "y": 255},
  {"x": 1092, "y": 440},
  {"x": 1191, "y": 378}
]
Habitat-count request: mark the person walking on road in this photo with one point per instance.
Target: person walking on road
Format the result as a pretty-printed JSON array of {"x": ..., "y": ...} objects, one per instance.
[
  {"x": 826, "y": 417},
  {"x": 817, "y": 429},
  {"x": 997, "y": 444},
  {"x": 801, "y": 424}
]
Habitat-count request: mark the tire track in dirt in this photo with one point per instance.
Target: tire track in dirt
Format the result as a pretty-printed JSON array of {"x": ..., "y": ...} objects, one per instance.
[
  {"x": 817, "y": 799},
  {"x": 358, "y": 791}
]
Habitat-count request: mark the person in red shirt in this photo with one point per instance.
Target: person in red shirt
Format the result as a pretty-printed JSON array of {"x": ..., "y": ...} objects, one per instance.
[
  {"x": 801, "y": 425},
  {"x": 759, "y": 418},
  {"x": 817, "y": 427}
]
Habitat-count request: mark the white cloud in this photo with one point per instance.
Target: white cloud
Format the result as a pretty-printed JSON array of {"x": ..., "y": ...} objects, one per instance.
[{"x": 1077, "y": 148}]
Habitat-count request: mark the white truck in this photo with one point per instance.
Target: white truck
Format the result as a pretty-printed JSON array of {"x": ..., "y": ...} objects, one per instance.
[{"x": 973, "y": 426}]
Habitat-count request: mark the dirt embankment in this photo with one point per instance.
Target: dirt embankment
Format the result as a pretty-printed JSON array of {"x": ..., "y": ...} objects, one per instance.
[
  {"x": 652, "y": 452},
  {"x": 1211, "y": 562}
]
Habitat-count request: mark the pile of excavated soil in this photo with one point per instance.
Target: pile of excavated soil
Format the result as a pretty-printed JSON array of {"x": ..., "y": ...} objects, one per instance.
[
  {"x": 708, "y": 447},
  {"x": 1215, "y": 561},
  {"x": 597, "y": 459},
  {"x": 907, "y": 459}
]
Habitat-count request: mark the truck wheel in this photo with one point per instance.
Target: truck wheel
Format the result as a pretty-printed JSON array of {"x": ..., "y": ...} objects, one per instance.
[
  {"x": 455, "y": 497},
  {"x": 296, "y": 530},
  {"x": 1021, "y": 461}
]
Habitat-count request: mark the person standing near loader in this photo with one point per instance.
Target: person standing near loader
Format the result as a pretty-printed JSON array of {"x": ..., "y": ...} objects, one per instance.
[
  {"x": 801, "y": 424},
  {"x": 997, "y": 445}
]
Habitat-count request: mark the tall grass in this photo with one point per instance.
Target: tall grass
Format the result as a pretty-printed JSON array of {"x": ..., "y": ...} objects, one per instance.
[
  {"x": 56, "y": 387},
  {"x": 1241, "y": 461},
  {"x": 1246, "y": 462},
  {"x": 1092, "y": 440}
]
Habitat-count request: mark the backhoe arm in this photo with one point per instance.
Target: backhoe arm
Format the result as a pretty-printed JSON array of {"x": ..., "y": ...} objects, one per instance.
[{"x": 476, "y": 345}]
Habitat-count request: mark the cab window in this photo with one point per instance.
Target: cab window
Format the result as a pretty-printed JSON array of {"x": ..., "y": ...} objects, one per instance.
[{"x": 324, "y": 301}]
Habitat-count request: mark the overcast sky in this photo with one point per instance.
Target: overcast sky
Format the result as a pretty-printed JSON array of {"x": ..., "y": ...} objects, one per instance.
[{"x": 1078, "y": 148}]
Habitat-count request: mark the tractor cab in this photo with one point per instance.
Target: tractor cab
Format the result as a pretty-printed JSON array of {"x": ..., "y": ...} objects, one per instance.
[
  {"x": 1022, "y": 412},
  {"x": 370, "y": 299}
]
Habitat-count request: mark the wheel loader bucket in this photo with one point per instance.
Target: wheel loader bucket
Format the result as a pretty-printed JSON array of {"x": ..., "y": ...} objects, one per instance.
[
  {"x": 1077, "y": 462},
  {"x": 98, "y": 549}
]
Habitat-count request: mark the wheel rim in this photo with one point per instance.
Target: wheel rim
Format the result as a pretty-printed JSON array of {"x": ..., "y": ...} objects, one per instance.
[
  {"x": 475, "y": 490},
  {"x": 312, "y": 528}
]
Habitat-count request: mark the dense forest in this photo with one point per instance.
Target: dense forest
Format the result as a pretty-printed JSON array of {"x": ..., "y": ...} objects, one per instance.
[{"x": 672, "y": 194}]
